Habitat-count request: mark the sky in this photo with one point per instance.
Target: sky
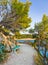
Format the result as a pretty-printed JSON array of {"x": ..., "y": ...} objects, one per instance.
[{"x": 37, "y": 9}]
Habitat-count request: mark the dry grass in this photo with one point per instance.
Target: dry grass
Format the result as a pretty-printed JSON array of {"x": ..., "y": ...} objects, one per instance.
[{"x": 38, "y": 60}]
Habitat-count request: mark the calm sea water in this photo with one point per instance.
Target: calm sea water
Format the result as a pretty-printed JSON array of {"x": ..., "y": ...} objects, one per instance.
[{"x": 23, "y": 41}]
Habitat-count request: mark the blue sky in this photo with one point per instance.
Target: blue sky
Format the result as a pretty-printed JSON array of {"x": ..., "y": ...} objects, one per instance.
[{"x": 38, "y": 8}]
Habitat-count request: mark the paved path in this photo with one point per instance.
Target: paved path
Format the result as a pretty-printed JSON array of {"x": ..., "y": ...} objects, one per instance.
[{"x": 25, "y": 56}]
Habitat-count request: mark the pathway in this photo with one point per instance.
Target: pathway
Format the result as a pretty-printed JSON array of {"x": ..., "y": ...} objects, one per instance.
[{"x": 25, "y": 56}]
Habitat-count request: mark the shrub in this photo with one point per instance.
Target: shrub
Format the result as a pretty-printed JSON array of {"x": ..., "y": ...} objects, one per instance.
[{"x": 3, "y": 54}]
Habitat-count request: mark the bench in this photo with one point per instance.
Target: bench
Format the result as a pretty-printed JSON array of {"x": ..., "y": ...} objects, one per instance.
[{"x": 16, "y": 48}]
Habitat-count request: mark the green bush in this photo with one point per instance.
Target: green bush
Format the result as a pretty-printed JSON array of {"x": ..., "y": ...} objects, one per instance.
[{"x": 3, "y": 54}]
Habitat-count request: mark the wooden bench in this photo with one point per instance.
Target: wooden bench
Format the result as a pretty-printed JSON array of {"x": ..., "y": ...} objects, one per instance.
[{"x": 16, "y": 48}]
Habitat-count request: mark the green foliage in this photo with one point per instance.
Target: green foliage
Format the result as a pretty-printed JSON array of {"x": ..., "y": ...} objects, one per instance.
[
  {"x": 18, "y": 7},
  {"x": 42, "y": 27},
  {"x": 18, "y": 18},
  {"x": 3, "y": 2},
  {"x": 4, "y": 30},
  {"x": 24, "y": 22},
  {"x": 21, "y": 10},
  {"x": 21, "y": 36},
  {"x": 31, "y": 31},
  {"x": 3, "y": 55}
]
